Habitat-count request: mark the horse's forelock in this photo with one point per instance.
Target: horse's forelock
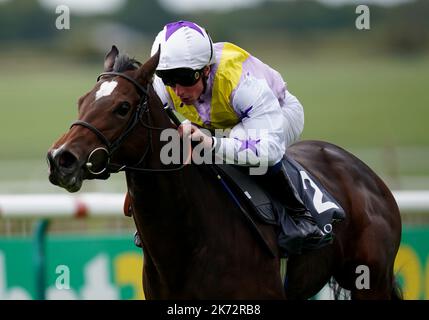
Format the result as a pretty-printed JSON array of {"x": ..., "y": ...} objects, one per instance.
[{"x": 124, "y": 63}]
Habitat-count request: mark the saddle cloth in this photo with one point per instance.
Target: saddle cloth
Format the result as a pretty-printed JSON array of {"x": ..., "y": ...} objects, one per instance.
[{"x": 323, "y": 207}]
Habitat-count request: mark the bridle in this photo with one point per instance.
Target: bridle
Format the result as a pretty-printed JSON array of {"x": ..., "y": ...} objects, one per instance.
[{"x": 111, "y": 147}]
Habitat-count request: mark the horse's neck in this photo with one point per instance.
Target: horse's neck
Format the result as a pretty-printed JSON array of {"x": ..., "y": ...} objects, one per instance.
[
  {"x": 178, "y": 213},
  {"x": 169, "y": 215},
  {"x": 164, "y": 203},
  {"x": 161, "y": 197}
]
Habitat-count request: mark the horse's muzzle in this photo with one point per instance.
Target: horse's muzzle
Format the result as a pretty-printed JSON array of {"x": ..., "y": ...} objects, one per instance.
[{"x": 65, "y": 170}]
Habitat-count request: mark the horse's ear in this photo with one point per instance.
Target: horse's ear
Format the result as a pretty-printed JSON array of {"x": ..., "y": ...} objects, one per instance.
[
  {"x": 109, "y": 59},
  {"x": 147, "y": 70}
]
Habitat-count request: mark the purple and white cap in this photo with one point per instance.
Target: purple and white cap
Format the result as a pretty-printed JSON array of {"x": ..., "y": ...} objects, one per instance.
[{"x": 184, "y": 44}]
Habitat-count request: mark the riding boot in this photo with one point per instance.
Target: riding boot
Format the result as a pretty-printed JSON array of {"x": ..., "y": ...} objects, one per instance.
[{"x": 283, "y": 189}]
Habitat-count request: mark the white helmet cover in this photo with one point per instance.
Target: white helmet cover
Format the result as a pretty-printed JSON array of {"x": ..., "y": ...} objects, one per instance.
[{"x": 184, "y": 44}]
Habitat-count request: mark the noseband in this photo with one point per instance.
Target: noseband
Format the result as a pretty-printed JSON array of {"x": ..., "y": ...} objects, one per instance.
[{"x": 112, "y": 147}]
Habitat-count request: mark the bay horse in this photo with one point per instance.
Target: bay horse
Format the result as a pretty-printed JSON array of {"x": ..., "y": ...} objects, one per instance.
[{"x": 195, "y": 242}]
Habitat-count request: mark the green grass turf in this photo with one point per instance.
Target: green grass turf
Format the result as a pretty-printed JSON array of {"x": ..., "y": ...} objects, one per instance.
[{"x": 363, "y": 104}]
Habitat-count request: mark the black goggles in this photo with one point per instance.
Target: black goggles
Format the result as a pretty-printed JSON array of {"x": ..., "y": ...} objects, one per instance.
[{"x": 183, "y": 76}]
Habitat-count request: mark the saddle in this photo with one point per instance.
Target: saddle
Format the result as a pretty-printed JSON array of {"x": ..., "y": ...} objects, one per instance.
[{"x": 323, "y": 206}]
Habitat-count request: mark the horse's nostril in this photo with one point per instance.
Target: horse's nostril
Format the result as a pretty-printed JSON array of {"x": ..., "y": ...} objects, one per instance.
[{"x": 66, "y": 159}]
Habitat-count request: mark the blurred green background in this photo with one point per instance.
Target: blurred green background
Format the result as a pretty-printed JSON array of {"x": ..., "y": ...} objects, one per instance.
[{"x": 365, "y": 90}]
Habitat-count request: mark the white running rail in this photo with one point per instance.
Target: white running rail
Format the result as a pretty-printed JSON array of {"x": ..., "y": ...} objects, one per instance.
[{"x": 111, "y": 204}]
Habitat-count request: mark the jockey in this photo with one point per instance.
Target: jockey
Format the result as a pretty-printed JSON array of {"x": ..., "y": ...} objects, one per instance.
[{"x": 221, "y": 86}]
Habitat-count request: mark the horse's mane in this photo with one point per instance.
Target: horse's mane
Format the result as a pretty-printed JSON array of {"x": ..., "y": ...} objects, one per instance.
[{"x": 123, "y": 63}]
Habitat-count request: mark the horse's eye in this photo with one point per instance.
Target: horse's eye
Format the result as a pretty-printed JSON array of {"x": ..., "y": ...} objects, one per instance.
[{"x": 122, "y": 109}]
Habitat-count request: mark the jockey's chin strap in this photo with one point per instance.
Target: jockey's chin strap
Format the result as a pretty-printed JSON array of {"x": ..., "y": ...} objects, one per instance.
[{"x": 112, "y": 147}]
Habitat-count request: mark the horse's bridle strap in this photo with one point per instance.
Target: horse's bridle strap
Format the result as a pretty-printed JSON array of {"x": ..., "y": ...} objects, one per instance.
[
  {"x": 112, "y": 146},
  {"x": 137, "y": 118},
  {"x": 97, "y": 132},
  {"x": 143, "y": 90}
]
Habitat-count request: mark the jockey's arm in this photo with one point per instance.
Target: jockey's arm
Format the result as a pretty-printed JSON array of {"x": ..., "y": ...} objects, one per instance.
[{"x": 259, "y": 138}]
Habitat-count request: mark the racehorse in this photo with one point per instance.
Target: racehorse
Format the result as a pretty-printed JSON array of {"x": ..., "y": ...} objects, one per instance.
[{"x": 195, "y": 242}]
